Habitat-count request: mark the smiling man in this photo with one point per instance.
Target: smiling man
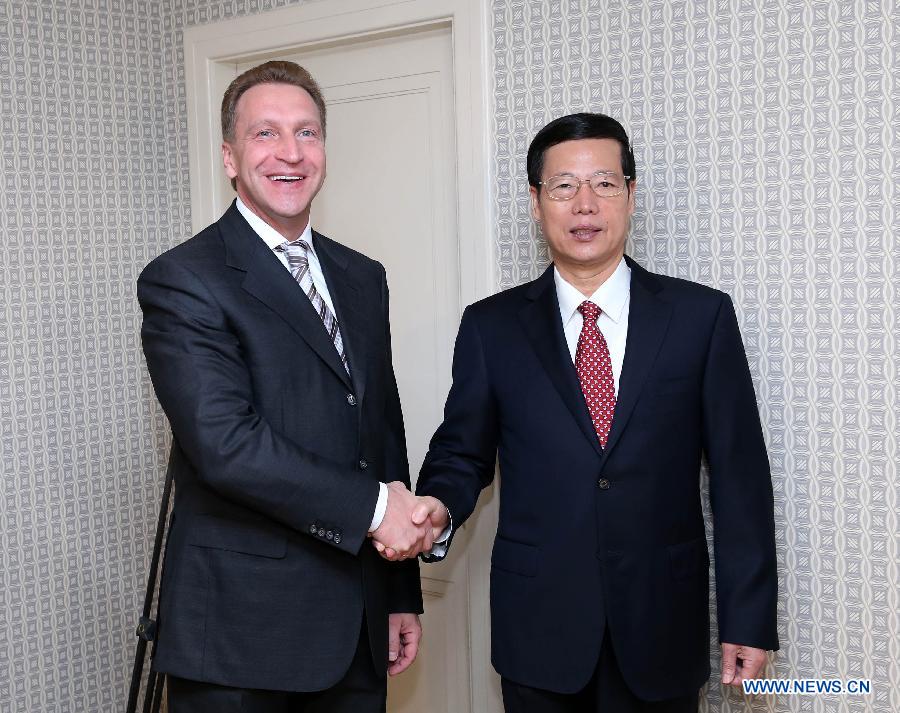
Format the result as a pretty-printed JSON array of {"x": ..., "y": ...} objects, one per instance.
[
  {"x": 269, "y": 349},
  {"x": 601, "y": 386}
]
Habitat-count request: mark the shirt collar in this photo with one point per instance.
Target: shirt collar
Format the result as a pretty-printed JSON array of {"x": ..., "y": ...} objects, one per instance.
[
  {"x": 611, "y": 296},
  {"x": 270, "y": 236}
]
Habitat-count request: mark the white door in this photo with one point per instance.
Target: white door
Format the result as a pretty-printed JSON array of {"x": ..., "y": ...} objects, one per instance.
[{"x": 407, "y": 165}]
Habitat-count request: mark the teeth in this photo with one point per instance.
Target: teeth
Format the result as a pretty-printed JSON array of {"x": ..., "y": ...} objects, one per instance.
[{"x": 286, "y": 178}]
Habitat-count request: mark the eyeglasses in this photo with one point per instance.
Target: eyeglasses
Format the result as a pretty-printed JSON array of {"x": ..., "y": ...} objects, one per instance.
[{"x": 565, "y": 187}]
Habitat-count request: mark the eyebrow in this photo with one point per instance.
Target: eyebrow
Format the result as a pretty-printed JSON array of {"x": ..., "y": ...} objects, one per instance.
[
  {"x": 275, "y": 122},
  {"x": 575, "y": 175}
]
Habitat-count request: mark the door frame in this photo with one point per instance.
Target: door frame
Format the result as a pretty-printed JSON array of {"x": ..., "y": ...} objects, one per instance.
[{"x": 212, "y": 53}]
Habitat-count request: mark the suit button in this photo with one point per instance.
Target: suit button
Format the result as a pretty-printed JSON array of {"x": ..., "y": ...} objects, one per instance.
[
  {"x": 312, "y": 529},
  {"x": 337, "y": 538},
  {"x": 329, "y": 535},
  {"x": 363, "y": 464},
  {"x": 351, "y": 399},
  {"x": 603, "y": 484},
  {"x": 321, "y": 533}
]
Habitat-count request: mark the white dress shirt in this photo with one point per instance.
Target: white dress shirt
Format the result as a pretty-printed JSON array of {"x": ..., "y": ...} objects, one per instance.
[
  {"x": 613, "y": 297},
  {"x": 272, "y": 238}
]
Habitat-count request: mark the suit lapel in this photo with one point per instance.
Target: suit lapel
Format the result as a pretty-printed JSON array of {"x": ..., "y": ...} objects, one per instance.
[
  {"x": 542, "y": 324},
  {"x": 349, "y": 309},
  {"x": 268, "y": 281},
  {"x": 648, "y": 320}
]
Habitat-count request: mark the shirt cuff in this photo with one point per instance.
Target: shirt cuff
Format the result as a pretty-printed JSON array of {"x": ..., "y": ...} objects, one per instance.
[{"x": 380, "y": 507}]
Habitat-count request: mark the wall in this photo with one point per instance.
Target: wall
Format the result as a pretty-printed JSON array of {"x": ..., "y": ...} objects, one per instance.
[{"x": 767, "y": 152}]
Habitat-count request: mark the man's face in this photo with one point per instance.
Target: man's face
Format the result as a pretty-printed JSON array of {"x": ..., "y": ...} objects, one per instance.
[
  {"x": 586, "y": 233},
  {"x": 277, "y": 155}
]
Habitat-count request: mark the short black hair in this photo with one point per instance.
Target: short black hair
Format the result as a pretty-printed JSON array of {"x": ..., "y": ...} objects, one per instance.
[{"x": 571, "y": 128}]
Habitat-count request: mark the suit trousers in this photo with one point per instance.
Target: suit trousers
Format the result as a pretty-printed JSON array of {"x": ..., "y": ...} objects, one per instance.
[
  {"x": 361, "y": 690},
  {"x": 606, "y": 692}
]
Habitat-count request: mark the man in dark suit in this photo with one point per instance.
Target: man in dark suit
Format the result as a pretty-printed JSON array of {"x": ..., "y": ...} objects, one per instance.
[
  {"x": 269, "y": 349},
  {"x": 601, "y": 385}
]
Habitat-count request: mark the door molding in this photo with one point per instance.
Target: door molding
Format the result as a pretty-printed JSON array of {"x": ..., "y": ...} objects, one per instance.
[{"x": 212, "y": 54}]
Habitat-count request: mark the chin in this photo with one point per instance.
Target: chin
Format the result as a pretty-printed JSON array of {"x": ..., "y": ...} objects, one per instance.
[
  {"x": 289, "y": 210},
  {"x": 589, "y": 257}
]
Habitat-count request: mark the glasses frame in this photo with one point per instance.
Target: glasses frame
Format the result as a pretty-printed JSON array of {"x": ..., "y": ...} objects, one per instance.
[{"x": 582, "y": 181}]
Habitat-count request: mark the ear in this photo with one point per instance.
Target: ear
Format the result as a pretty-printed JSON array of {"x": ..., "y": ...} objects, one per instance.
[
  {"x": 535, "y": 203},
  {"x": 632, "y": 188},
  {"x": 228, "y": 160}
]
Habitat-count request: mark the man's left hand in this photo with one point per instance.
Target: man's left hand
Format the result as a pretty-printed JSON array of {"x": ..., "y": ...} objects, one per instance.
[
  {"x": 741, "y": 663},
  {"x": 404, "y": 634}
]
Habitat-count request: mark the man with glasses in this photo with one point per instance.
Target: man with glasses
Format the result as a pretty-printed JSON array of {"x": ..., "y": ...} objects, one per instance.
[{"x": 601, "y": 385}]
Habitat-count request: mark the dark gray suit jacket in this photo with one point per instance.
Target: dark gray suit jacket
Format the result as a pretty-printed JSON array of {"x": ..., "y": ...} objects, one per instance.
[{"x": 277, "y": 455}]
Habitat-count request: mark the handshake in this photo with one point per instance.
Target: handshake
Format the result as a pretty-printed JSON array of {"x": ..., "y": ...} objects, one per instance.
[{"x": 410, "y": 524}]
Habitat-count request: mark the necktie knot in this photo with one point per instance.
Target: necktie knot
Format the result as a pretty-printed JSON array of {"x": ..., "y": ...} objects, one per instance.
[
  {"x": 296, "y": 249},
  {"x": 589, "y": 311},
  {"x": 297, "y": 258}
]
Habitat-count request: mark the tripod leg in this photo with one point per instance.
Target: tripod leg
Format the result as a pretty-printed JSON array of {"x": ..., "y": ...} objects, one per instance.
[
  {"x": 152, "y": 682},
  {"x": 136, "y": 676},
  {"x": 158, "y": 694}
]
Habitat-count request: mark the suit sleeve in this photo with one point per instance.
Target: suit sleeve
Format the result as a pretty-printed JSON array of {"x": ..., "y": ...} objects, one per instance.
[
  {"x": 204, "y": 386},
  {"x": 404, "y": 587},
  {"x": 462, "y": 454},
  {"x": 740, "y": 492}
]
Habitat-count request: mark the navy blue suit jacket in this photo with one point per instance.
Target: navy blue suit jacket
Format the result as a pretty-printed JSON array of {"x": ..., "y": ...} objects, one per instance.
[
  {"x": 593, "y": 539},
  {"x": 277, "y": 454}
]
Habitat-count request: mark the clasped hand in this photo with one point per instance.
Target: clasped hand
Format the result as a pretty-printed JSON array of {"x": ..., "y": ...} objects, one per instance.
[{"x": 410, "y": 523}]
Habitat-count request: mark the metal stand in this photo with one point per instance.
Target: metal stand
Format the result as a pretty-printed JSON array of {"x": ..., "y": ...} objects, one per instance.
[{"x": 146, "y": 629}]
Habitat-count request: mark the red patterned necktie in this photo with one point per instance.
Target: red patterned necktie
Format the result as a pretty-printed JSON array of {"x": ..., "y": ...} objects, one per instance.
[{"x": 594, "y": 369}]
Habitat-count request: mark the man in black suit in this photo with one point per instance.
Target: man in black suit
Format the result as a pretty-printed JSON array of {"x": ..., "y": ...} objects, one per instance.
[
  {"x": 269, "y": 349},
  {"x": 601, "y": 385}
]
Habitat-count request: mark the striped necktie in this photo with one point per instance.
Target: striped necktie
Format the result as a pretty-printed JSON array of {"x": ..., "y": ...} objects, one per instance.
[{"x": 298, "y": 263}]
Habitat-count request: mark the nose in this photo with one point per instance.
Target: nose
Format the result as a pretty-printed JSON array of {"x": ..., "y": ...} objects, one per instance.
[
  {"x": 289, "y": 149},
  {"x": 585, "y": 202}
]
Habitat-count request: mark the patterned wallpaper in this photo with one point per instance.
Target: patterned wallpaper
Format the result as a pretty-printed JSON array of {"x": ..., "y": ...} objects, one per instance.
[
  {"x": 766, "y": 140},
  {"x": 767, "y": 151}
]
